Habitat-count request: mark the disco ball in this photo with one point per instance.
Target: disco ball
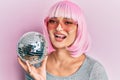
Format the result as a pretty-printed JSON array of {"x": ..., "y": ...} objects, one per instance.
[{"x": 32, "y": 47}]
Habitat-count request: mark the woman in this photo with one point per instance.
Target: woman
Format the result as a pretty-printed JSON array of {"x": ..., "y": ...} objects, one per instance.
[{"x": 68, "y": 41}]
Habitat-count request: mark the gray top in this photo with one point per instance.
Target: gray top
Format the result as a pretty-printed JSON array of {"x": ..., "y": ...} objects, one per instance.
[{"x": 90, "y": 70}]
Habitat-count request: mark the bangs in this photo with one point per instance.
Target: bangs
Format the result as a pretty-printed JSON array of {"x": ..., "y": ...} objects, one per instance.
[{"x": 65, "y": 9}]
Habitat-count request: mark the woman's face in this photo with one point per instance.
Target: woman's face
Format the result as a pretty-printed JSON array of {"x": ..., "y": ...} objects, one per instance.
[{"x": 62, "y": 31}]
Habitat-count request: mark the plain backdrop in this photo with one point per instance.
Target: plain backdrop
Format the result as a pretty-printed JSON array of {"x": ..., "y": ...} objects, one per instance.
[{"x": 20, "y": 16}]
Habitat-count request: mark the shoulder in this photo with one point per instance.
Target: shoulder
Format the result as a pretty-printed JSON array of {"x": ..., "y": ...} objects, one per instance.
[{"x": 97, "y": 70}]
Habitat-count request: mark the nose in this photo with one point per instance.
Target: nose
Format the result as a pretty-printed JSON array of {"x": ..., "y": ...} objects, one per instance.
[{"x": 59, "y": 28}]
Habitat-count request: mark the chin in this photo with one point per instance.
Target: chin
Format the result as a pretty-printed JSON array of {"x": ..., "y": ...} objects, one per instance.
[{"x": 59, "y": 45}]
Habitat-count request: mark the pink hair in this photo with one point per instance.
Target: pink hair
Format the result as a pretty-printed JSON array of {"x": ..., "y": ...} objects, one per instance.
[{"x": 68, "y": 9}]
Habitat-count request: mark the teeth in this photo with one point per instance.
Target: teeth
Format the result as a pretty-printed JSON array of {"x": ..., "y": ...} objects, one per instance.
[{"x": 60, "y": 36}]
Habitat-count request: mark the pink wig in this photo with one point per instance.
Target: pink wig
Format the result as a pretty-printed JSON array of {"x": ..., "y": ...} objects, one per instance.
[{"x": 68, "y": 9}]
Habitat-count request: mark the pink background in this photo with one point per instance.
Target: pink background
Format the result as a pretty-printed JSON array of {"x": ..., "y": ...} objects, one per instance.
[{"x": 20, "y": 16}]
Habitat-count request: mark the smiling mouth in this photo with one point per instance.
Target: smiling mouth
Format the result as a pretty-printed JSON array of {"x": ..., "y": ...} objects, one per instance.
[{"x": 60, "y": 37}]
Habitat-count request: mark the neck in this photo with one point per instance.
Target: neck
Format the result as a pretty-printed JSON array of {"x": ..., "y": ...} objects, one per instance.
[{"x": 62, "y": 55}]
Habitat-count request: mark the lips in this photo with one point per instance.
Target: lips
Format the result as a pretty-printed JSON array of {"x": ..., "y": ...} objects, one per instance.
[{"x": 59, "y": 37}]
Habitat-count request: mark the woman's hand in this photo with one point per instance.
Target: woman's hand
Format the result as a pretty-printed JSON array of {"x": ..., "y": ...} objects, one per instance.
[{"x": 37, "y": 73}]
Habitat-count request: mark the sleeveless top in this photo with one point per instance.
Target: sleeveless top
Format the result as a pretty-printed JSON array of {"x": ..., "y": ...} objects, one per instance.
[{"x": 90, "y": 70}]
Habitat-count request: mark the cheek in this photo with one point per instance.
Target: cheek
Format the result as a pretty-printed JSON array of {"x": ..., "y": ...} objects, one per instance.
[
  {"x": 68, "y": 29},
  {"x": 50, "y": 28}
]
